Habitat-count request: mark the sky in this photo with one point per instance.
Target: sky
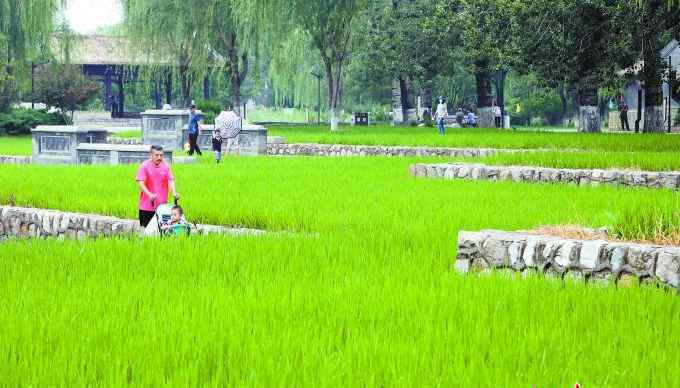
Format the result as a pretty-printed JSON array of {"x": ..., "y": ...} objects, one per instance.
[{"x": 85, "y": 16}]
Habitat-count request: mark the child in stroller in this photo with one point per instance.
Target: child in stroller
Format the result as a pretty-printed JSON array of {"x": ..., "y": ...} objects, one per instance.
[
  {"x": 176, "y": 225},
  {"x": 169, "y": 221}
]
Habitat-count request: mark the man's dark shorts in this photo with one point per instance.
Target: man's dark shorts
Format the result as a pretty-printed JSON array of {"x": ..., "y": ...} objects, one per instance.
[{"x": 145, "y": 217}]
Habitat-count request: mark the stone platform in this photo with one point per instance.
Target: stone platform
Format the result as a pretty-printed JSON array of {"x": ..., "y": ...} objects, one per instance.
[
  {"x": 114, "y": 154},
  {"x": 55, "y": 144}
]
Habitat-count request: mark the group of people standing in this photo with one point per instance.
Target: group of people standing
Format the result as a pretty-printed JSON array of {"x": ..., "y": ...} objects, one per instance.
[{"x": 228, "y": 125}]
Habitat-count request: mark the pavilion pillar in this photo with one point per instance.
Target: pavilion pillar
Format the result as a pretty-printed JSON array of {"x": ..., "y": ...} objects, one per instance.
[
  {"x": 206, "y": 87},
  {"x": 157, "y": 93},
  {"x": 107, "y": 89},
  {"x": 168, "y": 88},
  {"x": 121, "y": 94}
]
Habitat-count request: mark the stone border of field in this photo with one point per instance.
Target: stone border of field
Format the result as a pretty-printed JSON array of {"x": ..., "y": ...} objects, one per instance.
[
  {"x": 15, "y": 159},
  {"x": 313, "y": 149},
  {"x": 580, "y": 177},
  {"x": 21, "y": 222},
  {"x": 598, "y": 260}
]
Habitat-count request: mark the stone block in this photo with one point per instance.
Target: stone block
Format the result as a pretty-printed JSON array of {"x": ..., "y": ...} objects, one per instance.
[
  {"x": 567, "y": 254},
  {"x": 592, "y": 255},
  {"x": 668, "y": 267}
]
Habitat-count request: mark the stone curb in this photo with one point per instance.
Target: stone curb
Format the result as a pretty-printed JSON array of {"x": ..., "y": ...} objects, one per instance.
[
  {"x": 580, "y": 177},
  {"x": 365, "y": 150},
  {"x": 19, "y": 222},
  {"x": 14, "y": 159},
  {"x": 581, "y": 259}
]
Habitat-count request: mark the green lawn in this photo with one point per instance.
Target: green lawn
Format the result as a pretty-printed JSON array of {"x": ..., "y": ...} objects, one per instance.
[{"x": 370, "y": 299}]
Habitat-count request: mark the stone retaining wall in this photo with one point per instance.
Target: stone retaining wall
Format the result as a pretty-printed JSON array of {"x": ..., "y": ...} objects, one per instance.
[
  {"x": 582, "y": 177},
  {"x": 14, "y": 159},
  {"x": 363, "y": 150},
  {"x": 581, "y": 259},
  {"x": 19, "y": 222}
]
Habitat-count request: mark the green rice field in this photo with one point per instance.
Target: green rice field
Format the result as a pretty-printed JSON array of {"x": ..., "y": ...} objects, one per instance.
[{"x": 362, "y": 293}]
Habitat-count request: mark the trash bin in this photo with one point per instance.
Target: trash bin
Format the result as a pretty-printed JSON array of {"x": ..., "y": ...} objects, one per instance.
[{"x": 506, "y": 122}]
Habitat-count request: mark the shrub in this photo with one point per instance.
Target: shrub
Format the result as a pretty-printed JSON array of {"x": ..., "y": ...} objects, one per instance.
[
  {"x": 210, "y": 109},
  {"x": 8, "y": 93},
  {"x": 21, "y": 121},
  {"x": 64, "y": 87}
]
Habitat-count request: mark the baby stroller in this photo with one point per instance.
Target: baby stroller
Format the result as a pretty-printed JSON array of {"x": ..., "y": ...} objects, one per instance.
[{"x": 162, "y": 217}]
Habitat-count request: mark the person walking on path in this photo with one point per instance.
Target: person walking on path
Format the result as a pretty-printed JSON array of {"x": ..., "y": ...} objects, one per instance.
[
  {"x": 194, "y": 131},
  {"x": 230, "y": 125},
  {"x": 440, "y": 114},
  {"x": 623, "y": 114},
  {"x": 154, "y": 178}
]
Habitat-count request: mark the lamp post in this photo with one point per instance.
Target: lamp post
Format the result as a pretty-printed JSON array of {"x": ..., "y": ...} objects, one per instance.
[
  {"x": 670, "y": 91},
  {"x": 318, "y": 76}
]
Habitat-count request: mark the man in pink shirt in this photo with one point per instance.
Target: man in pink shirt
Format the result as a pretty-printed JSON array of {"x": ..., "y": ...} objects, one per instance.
[{"x": 154, "y": 178}]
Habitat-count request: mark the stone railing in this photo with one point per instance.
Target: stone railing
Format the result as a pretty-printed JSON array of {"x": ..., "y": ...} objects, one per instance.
[
  {"x": 364, "y": 150},
  {"x": 587, "y": 259},
  {"x": 583, "y": 177},
  {"x": 14, "y": 159},
  {"x": 19, "y": 222}
]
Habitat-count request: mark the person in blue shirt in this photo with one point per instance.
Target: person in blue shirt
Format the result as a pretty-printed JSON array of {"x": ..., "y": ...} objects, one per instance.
[{"x": 194, "y": 131}]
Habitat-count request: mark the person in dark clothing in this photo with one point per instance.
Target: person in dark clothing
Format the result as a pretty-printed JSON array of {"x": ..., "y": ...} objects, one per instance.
[
  {"x": 623, "y": 111},
  {"x": 194, "y": 131}
]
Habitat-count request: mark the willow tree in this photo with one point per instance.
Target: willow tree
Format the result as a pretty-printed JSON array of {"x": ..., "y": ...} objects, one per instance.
[
  {"x": 329, "y": 25},
  {"x": 25, "y": 29},
  {"x": 169, "y": 33}
]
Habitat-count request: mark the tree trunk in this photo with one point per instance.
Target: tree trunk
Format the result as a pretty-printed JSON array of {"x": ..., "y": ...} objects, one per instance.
[
  {"x": 237, "y": 71},
  {"x": 407, "y": 99},
  {"x": 333, "y": 90},
  {"x": 484, "y": 99},
  {"x": 562, "y": 92},
  {"x": 185, "y": 86},
  {"x": 651, "y": 74},
  {"x": 589, "y": 110},
  {"x": 428, "y": 85},
  {"x": 397, "y": 114}
]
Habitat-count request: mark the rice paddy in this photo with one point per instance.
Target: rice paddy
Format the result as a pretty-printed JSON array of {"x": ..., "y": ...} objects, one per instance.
[{"x": 369, "y": 299}]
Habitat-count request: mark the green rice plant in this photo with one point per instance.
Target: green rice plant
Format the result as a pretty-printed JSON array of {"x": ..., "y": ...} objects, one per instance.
[
  {"x": 649, "y": 223},
  {"x": 337, "y": 310},
  {"x": 15, "y": 145},
  {"x": 647, "y": 161},
  {"x": 479, "y": 137},
  {"x": 129, "y": 134},
  {"x": 370, "y": 299}
]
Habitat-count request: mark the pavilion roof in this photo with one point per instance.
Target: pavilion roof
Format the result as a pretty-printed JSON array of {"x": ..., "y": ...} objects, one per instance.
[{"x": 107, "y": 50}]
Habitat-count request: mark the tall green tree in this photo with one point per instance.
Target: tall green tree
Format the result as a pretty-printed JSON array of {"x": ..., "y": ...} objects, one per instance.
[
  {"x": 329, "y": 24},
  {"x": 486, "y": 41},
  {"x": 168, "y": 33},
  {"x": 650, "y": 25},
  {"x": 231, "y": 35},
  {"x": 565, "y": 42}
]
